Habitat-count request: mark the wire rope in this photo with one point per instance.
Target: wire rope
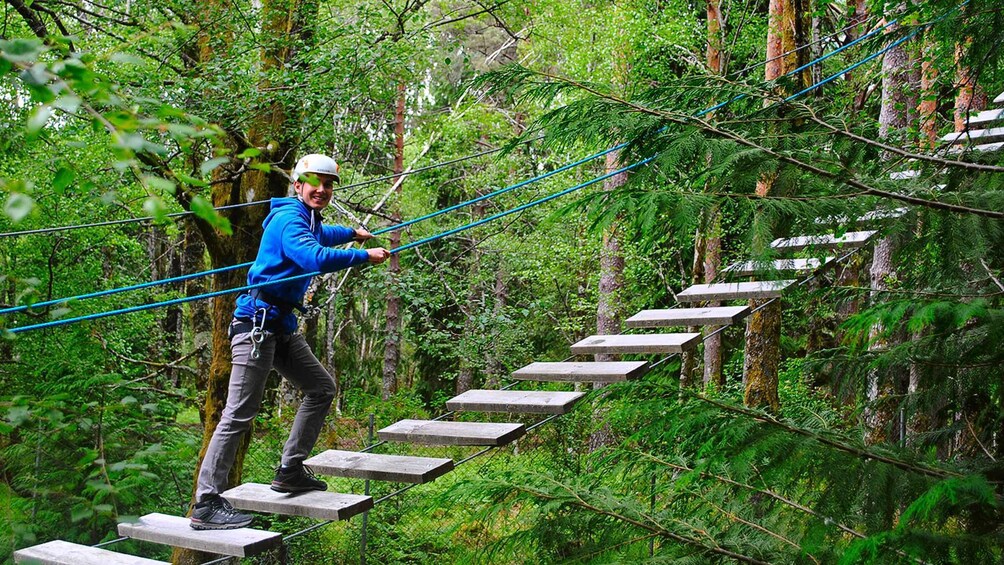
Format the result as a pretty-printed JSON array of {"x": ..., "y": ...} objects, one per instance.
[
  {"x": 254, "y": 202},
  {"x": 423, "y": 241}
]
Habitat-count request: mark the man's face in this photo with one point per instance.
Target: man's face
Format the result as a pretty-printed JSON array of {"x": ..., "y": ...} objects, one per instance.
[{"x": 316, "y": 196}]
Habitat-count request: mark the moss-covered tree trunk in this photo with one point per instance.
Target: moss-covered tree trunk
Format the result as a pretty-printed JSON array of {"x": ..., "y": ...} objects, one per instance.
[
  {"x": 763, "y": 328},
  {"x": 273, "y": 130}
]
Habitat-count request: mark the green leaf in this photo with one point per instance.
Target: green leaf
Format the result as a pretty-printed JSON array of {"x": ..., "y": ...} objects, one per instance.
[
  {"x": 37, "y": 120},
  {"x": 160, "y": 183},
  {"x": 21, "y": 50},
  {"x": 249, "y": 153},
  {"x": 64, "y": 177},
  {"x": 190, "y": 179},
  {"x": 18, "y": 206},
  {"x": 156, "y": 208},
  {"x": 69, "y": 104},
  {"x": 57, "y": 313},
  {"x": 126, "y": 58},
  {"x": 204, "y": 209},
  {"x": 263, "y": 167},
  {"x": 211, "y": 164},
  {"x": 81, "y": 512}
]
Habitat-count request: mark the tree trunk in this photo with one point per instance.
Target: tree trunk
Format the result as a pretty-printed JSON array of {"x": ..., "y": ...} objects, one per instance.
[
  {"x": 495, "y": 369},
  {"x": 763, "y": 352},
  {"x": 881, "y": 387},
  {"x": 268, "y": 129},
  {"x": 200, "y": 317},
  {"x": 928, "y": 109},
  {"x": 392, "y": 333},
  {"x": 712, "y": 237},
  {"x": 760, "y": 366},
  {"x": 608, "y": 307},
  {"x": 970, "y": 97}
]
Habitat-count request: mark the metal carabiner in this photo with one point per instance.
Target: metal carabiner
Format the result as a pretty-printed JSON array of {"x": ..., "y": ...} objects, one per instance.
[{"x": 257, "y": 333}]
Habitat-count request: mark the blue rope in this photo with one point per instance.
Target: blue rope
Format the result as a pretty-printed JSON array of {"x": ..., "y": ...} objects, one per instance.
[
  {"x": 142, "y": 307},
  {"x": 501, "y": 190},
  {"x": 122, "y": 289},
  {"x": 378, "y": 232},
  {"x": 519, "y": 208},
  {"x": 803, "y": 67},
  {"x": 485, "y": 220}
]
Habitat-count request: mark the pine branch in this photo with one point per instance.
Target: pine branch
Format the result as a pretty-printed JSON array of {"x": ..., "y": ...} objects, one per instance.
[
  {"x": 840, "y": 446},
  {"x": 899, "y": 151},
  {"x": 778, "y": 497},
  {"x": 708, "y": 127},
  {"x": 654, "y": 528}
]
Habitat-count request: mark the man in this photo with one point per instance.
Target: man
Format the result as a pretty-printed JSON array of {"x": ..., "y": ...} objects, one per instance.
[{"x": 263, "y": 335}]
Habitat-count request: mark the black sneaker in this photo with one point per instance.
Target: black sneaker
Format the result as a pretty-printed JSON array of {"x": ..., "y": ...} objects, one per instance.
[
  {"x": 215, "y": 513},
  {"x": 297, "y": 479}
]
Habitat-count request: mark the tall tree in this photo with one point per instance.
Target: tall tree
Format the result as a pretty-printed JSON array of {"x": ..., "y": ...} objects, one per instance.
[
  {"x": 709, "y": 244},
  {"x": 763, "y": 329},
  {"x": 884, "y": 385}
]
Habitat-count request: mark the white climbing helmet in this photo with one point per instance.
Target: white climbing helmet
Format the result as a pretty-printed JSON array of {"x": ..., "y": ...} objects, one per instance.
[{"x": 317, "y": 164}]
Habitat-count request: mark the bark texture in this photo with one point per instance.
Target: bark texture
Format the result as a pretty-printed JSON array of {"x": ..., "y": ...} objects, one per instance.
[
  {"x": 883, "y": 386},
  {"x": 760, "y": 366},
  {"x": 710, "y": 241},
  {"x": 268, "y": 129}
]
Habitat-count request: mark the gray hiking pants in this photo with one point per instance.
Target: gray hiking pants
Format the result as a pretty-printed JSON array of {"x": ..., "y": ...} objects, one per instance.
[{"x": 291, "y": 356}]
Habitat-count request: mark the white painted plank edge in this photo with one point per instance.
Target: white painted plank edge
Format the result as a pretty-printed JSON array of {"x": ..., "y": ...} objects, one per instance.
[
  {"x": 515, "y": 401},
  {"x": 176, "y": 531},
  {"x": 59, "y": 552},
  {"x": 600, "y": 372},
  {"x": 989, "y": 135},
  {"x": 709, "y": 316},
  {"x": 778, "y": 265},
  {"x": 379, "y": 466},
  {"x": 320, "y": 505},
  {"x": 431, "y": 432},
  {"x": 734, "y": 291},
  {"x": 847, "y": 240},
  {"x": 636, "y": 343}
]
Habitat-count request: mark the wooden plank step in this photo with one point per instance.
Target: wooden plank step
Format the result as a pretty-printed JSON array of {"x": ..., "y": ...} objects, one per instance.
[
  {"x": 985, "y": 148},
  {"x": 985, "y": 118},
  {"x": 320, "y": 505},
  {"x": 990, "y": 135},
  {"x": 829, "y": 241},
  {"x": 999, "y": 99},
  {"x": 604, "y": 372},
  {"x": 431, "y": 432},
  {"x": 59, "y": 552},
  {"x": 734, "y": 291},
  {"x": 794, "y": 265},
  {"x": 872, "y": 216},
  {"x": 515, "y": 401},
  {"x": 710, "y": 316},
  {"x": 176, "y": 531},
  {"x": 904, "y": 175},
  {"x": 379, "y": 467},
  {"x": 637, "y": 343}
]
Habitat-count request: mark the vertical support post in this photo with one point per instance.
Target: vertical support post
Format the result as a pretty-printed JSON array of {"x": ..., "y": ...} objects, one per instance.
[
  {"x": 651, "y": 512},
  {"x": 366, "y": 491}
]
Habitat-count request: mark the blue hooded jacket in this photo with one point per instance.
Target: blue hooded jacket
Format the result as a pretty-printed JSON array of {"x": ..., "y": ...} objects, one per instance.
[{"x": 295, "y": 242}]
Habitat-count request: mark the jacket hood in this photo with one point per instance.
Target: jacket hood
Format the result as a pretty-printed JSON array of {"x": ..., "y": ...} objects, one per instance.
[{"x": 292, "y": 205}]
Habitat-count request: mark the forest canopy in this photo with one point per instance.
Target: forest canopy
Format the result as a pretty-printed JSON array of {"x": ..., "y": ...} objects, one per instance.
[{"x": 544, "y": 171}]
